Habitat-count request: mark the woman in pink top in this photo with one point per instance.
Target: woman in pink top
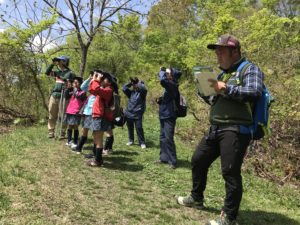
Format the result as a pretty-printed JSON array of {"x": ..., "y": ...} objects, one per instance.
[{"x": 72, "y": 117}]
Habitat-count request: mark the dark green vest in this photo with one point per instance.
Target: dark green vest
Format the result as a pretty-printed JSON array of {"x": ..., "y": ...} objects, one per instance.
[
  {"x": 64, "y": 75},
  {"x": 226, "y": 111}
]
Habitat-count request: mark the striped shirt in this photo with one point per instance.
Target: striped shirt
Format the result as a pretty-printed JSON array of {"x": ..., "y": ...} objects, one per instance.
[{"x": 251, "y": 87}]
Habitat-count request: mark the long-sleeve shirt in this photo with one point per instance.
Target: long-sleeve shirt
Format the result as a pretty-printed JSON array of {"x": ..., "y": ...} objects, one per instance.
[
  {"x": 88, "y": 109},
  {"x": 103, "y": 98},
  {"x": 137, "y": 100},
  {"x": 77, "y": 99},
  {"x": 250, "y": 88},
  {"x": 244, "y": 84},
  {"x": 167, "y": 108},
  {"x": 60, "y": 77}
]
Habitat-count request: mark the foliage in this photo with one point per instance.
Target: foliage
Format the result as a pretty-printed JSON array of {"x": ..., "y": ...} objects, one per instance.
[{"x": 176, "y": 34}]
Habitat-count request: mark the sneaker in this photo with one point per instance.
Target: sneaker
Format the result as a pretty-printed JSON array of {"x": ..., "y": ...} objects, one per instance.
[
  {"x": 222, "y": 220},
  {"x": 190, "y": 202},
  {"x": 143, "y": 146},
  {"x": 77, "y": 151},
  {"x": 73, "y": 146},
  {"x": 50, "y": 135},
  {"x": 107, "y": 151},
  {"x": 69, "y": 143},
  {"x": 129, "y": 143},
  {"x": 172, "y": 166}
]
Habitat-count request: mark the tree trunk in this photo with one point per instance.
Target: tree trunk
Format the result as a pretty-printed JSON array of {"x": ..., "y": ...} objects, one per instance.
[
  {"x": 84, "y": 51},
  {"x": 41, "y": 92}
]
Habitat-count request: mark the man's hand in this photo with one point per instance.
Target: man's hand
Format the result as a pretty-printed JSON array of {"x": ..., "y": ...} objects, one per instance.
[{"x": 219, "y": 86}]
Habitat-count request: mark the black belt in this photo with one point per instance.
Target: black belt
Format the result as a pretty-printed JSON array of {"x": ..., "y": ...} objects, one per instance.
[{"x": 224, "y": 127}]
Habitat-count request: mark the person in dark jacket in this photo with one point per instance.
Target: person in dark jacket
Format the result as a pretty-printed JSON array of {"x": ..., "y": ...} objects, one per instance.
[
  {"x": 167, "y": 115},
  {"x": 230, "y": 109},
  {"x": 136, "y": 91},
  {"x": 59, "y": 69}
]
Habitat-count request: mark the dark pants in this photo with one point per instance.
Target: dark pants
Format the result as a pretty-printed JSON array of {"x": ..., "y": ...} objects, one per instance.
[
  {"x": 138, "y": 123},
  {"x": 167, "y": 144},
  {"x": 231, "y": 146}
]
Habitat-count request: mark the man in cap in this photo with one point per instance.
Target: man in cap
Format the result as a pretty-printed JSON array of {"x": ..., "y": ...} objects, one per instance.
[
  {"x": 62, "y": 74},
  {"x": 237, "y": 88}
]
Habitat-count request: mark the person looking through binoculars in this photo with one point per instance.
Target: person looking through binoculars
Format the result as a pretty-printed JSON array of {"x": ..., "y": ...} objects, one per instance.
[
  {"x": 100, "y": 86},
  {"x": 136, "y": 92},
  {"x": 59, "y": 69}
]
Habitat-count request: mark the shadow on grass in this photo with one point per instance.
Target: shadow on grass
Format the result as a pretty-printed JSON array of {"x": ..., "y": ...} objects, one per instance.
[
  {"x": 266, "y": 218},
  {"x": 247, "y": 217},
  {"x": 183, "y": 164},
  {"x": 124, "y": 152},
  {"x": 152, "y": 144},
  {"x": 121, "y": 163}
]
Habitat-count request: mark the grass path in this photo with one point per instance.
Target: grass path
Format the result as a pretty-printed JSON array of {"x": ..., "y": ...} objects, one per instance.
[{"x": 42, "y": 182}]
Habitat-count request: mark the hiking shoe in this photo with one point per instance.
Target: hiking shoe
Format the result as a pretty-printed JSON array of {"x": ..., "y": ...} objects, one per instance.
[
  {"x": 143, "y": 146},
  {"x": 190, "y": 202},
  {"x": 50, "y": 135},
  {"x": 222, "y": 220},
  {"x": 129, "y": 143}
]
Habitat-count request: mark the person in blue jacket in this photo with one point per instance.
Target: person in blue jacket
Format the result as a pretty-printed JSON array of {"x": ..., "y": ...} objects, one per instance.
[
  {"x": 136, "y": 91},
  {"x": 167, "y": 115}
]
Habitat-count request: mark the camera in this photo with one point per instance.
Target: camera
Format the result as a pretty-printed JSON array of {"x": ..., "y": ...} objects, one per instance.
[
  {"x": 134, "y": 80},
  {"x": 56, "y": 59},
  {"x": 159, "y": 100}
]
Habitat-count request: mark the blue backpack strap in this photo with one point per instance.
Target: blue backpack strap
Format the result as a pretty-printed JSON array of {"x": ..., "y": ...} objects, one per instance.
[{"x": 241, "y": 70}]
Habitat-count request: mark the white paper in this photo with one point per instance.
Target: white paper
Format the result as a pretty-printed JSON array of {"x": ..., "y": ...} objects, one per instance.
[{"x": 203, "y": 85}]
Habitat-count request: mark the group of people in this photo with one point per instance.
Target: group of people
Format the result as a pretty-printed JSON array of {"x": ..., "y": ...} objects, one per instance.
[
  {"x": 231, "y": 107},
  {"x": 74, "y": 101}
]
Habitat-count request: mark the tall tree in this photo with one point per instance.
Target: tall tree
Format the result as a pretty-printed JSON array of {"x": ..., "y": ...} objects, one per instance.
[{"x": 80, "y": 18}]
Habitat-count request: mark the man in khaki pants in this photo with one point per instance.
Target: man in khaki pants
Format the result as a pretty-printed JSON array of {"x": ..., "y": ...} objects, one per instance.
[{"x": 63, "y": 75}]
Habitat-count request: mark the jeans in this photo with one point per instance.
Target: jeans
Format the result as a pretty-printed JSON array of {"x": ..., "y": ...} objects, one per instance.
[
  {"x": 231, "y": 147},
  {"x": 167, "y": 144},
  {"x": 138, "y": 123}
]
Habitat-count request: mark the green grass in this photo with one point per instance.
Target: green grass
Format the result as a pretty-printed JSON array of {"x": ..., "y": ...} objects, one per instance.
[{"x": 42, "y": 182}]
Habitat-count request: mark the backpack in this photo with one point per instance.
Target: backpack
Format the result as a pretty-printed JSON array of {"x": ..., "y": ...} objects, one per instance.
[
  {"x": 260, "y": 113},
  {"x": 181, "y": 106},
  {"x": 115, "y": 107}
]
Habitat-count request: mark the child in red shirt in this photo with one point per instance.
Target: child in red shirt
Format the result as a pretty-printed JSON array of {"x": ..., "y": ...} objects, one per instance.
[{"x": 100, "y": 86}]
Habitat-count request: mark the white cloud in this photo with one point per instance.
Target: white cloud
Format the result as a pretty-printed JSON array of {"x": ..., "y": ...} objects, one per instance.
[{"x": 43, "y": 44}]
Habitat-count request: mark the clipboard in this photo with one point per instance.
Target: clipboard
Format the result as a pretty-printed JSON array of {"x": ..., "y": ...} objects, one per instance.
[{"x": 202, "y": 83}]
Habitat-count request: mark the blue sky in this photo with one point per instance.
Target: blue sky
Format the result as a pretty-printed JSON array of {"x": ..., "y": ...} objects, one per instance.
[
  {"x": 10, "y": 13},
  {"x": 27, "y": 15}
]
